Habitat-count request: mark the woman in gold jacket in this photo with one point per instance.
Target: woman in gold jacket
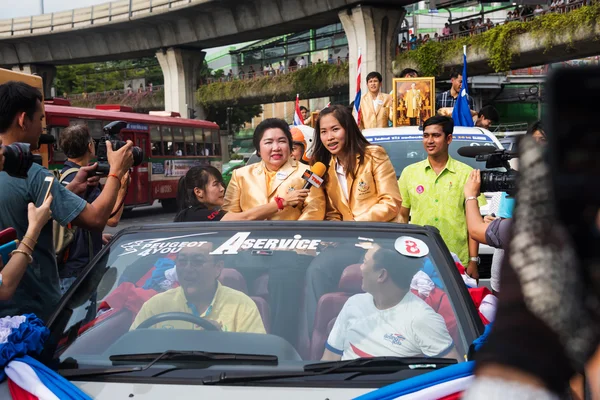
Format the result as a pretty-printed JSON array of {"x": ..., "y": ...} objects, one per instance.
[
  {"x": 360, "y": 182},
  {"x": 277, "y": 174}
]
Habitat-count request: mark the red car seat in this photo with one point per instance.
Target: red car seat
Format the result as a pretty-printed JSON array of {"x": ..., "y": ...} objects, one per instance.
[{"x": 330, "y": 305}]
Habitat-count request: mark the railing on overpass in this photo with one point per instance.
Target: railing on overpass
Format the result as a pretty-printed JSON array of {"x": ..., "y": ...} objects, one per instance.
[
  {"x": 121, "y": 10},
  {"x": 139, "y": 92}
]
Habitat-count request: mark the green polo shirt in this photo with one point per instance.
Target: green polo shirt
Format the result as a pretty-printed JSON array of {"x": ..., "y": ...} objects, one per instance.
[{"x": 439, "y": 200}]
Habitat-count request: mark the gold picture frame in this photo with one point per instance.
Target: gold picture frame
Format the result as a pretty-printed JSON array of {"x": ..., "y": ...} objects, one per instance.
[
  {"x": 413, "y": 104},
  {"x": 313, "y": 118}
]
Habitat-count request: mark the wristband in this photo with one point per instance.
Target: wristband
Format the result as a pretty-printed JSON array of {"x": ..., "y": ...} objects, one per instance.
[
  {"x": 279, "y": 202},
  {"x": 114, "y": 176},
  {"x": 470, "y": 198}
]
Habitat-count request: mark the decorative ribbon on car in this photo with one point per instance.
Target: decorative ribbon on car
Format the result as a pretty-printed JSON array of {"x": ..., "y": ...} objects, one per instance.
[{"x": 21, "y": 337}]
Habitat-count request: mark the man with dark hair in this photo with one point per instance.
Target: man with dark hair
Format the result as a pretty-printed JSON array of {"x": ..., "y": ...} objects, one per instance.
[
  {"x": 388, "y": 320},
  {"x": 375, "y": 106},
  {"x": 409, "y": 73},
  {"x": 486, "y": 117},
  {"x": 21, "y": 116},
  {"x": 432, "y": 192},
  {"x": 78, "y": 145},
  {"x": 448, "y": 98}
]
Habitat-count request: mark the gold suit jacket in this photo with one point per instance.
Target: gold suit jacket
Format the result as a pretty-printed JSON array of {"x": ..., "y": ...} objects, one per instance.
[
  {"x": 374, "y": 193},
  {"x": 375, "y": 119},
  {"x": 248, "y": 189}
]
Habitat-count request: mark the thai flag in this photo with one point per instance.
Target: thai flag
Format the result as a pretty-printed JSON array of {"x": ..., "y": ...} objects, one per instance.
[
  {"x": 462, "y": 113},
  {"x": 356, "y": 110},
  {"x": 447, "y": 383},
  {"x": 20, "y": 337},
  {"x": 298, "y": 120}
]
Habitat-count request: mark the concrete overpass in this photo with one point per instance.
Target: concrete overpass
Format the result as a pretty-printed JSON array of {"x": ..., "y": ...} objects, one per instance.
[{"x": 176, "y": 31}]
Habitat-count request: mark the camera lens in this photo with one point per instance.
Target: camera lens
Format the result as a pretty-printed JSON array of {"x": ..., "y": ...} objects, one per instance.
[
  {"x": 17, "y": 159},
  {"x": 138, "y": 155},
  {"x": 494, "y": 181}
]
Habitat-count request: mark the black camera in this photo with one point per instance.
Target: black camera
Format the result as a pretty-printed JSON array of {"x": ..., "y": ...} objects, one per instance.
[
  {"x": 493, "y": 181},
  {"x": 112, "y": 133},
  {"x": 17, "y": 159}
]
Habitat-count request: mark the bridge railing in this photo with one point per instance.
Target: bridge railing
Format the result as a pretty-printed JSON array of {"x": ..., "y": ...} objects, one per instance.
[{"x": 80, "y": 17}]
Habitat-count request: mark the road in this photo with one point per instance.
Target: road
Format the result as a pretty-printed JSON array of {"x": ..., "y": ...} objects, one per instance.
[{"x": 143, "y": 216}]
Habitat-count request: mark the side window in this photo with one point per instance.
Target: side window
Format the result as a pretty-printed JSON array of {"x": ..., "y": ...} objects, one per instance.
[
  {"x": 198, "y": 134},
  {"x": 178, "y": 142},
  {"x": 156, "y": 140},
  {"x": 167, "y": 138},
  {"x": 57, "y": 153},
  {"x": 216, "y": 143},
  {"x": 190, "y": 148}
]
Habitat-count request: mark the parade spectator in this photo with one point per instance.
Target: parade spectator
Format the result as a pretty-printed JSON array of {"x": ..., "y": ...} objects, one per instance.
[
  {"x": 16, "y": 266},
  {"x": 293, "y": 65},
  {"x": 446, "y": 31},
  {"x": 436, "y": 37},
  {"x": 487, "y": 116},
  {"x": 376, "y": 107},
  {"x": 241, "y": 73},
  {"x": 281, "y": 68},
  {"x": 413, "y": 42},
  {"x": 489, "y": 24},
  {"x": 200, "y": 198},
  {"x": 306, "y": 118},
  {"x": 409, "y": 73},
  {"x": 432, "y": 192},
  {"x": 449, "y": 97},
  {"x": 21, "y": 116},
  {"x": 260, "y": 183},
  {"x": 251, "y": 72},
  {"x": 78, "y": 145},
  {"x": 230, "y": 75},
  {"x": 330, "y": 59},
  {"x": 302, "y": 63}
]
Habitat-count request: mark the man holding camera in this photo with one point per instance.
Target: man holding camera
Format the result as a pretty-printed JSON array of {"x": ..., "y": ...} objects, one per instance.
[
  {"x": 21, "y": 116},
  {"x": 78, "y": 145}
]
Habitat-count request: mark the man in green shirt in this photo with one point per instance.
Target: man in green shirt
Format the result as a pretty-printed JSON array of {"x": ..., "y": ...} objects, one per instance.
[{"x": 432, "y": 192}]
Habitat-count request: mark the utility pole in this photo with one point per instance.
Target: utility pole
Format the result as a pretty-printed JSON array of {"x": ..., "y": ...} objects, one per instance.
[{"x": 42, "y": 6}]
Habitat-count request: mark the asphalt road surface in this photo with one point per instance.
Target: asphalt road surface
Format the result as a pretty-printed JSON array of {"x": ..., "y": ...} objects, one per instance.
[{"x": 143, "y": 216}]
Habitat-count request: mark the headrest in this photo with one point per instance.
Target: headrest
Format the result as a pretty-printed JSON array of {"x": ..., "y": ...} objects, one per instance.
[{"x": 351, "y": 280}]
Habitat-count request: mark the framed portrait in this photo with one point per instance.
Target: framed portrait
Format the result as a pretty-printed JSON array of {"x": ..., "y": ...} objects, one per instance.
[{"x": 414, "y": 100}]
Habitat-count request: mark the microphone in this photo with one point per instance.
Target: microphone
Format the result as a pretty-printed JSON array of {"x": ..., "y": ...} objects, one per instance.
[
  {"x": 313, "y": 177},
  {"x": 474, "y": 151}
]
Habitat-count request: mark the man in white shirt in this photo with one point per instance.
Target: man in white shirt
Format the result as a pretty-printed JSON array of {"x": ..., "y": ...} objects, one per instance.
[{"x": 388, "y": 320}]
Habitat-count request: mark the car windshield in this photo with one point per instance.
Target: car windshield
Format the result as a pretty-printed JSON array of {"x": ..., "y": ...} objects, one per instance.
[
  {"x": 408, "y": 150},
  {"x": 294, "y": 292}
]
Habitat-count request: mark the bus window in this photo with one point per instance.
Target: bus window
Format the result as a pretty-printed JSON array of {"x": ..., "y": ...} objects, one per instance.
[
  {"x": 216, "y": 143},
  {"x": 190, "y": 149},
  {"x": 178, "y": 141},
  {"x": 199, "y": 141},
  {"x": 57, "y": 153},
  {"x": 167, "y": 138},
  {"x": 95, "y": 128},
  {"x": 155, "y": 140}
]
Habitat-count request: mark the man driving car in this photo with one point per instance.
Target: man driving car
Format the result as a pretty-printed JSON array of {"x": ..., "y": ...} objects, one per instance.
[
  {"x": 202, "y": 295},
  {"x": 388, "y": 320}
]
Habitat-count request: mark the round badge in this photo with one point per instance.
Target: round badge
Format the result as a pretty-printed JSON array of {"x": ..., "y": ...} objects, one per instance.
[
  {"x": 420, "y": 189},
  {"x": 411, "y": 247}
]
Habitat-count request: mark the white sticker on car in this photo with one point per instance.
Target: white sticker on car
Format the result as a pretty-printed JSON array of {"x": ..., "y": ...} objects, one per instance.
[{"x": 411, "y": 247}]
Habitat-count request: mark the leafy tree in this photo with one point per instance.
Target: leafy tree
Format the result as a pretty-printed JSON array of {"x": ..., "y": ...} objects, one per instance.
[{"x": 239, "y": 115}]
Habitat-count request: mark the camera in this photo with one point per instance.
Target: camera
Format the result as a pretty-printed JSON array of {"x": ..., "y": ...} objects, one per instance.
[
  {"x": 112, "y": 133},
  {"x": 17, "y": 159},
  {"x": 493, "y": 181}
]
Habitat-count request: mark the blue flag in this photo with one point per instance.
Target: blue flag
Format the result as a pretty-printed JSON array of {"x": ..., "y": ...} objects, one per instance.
[{"x": 462, "y": 113}]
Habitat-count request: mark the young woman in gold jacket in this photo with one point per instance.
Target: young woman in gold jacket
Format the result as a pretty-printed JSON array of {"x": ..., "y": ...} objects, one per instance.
[
  {"x": 277, "y": 173},
  {"x": 360, "y": 183}
]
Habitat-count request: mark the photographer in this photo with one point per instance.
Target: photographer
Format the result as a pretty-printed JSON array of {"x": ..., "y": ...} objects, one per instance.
[
  {"x": 21, "y": 116},
  {"x": 78, "y": 145},
  {"x": 13, "y": 271},
  {"x": 495, "y": 233}
]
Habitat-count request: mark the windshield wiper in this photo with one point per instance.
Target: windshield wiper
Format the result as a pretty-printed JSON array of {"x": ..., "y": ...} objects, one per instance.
[
  {"x": 169, "y": 355},
  {"x": 360, "y": 366}
]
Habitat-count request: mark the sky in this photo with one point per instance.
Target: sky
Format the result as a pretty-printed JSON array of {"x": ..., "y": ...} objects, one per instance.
[{"x": 26, "y": 8}]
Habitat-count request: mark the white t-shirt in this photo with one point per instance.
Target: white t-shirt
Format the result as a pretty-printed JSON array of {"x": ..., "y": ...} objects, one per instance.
[
  {"x": 409, "y": 329},
  {"x": 341, "y": 175}
]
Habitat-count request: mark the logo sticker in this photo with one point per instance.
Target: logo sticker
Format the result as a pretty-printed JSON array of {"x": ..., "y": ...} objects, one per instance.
[
  {"x": 420, "y": 189},
  {"x": 411, "y": 247},
  {"x": 394, "y": 338}
]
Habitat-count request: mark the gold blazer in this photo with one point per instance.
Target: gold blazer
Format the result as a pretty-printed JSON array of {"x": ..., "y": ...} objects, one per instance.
[
  {"x": 371, "y": 119},
  {"x": 374, "y": 193},
  {"x": 248, "y": 189}
]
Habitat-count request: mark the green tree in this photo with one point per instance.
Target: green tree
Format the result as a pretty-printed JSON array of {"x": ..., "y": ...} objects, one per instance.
[{"x": 239, "y": 115}]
